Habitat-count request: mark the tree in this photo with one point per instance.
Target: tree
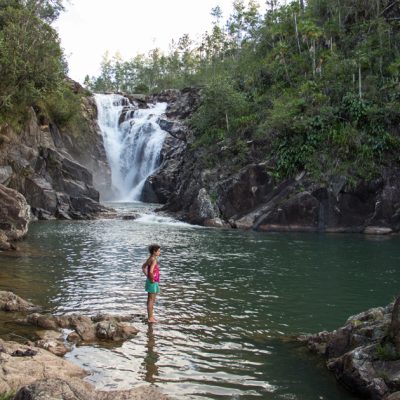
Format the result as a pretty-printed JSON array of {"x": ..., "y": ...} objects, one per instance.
[{"x": 31, "y": 59}]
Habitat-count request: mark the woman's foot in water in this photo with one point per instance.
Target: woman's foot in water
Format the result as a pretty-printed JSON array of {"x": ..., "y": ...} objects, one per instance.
[{"x": 152, "y": 320}]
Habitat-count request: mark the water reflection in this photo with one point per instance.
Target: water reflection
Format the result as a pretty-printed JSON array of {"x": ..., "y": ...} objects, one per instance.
[{"x": 151, "y": 357}]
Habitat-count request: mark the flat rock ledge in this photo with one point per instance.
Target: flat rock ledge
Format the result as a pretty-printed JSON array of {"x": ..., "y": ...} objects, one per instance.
[
  {"x": 364, "y": 354},
  {"x": 36, "y": 374},
  {"x": 82, "y": 328}
]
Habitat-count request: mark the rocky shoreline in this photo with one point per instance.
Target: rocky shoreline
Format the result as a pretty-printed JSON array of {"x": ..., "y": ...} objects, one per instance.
[
  {"x": 36, "y": 371},
  {"x": 364, "y": 354},
  {"x": 223, "y": 186}
]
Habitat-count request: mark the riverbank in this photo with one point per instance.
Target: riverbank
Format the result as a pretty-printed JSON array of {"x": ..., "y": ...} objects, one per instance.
[{"x": 364, "y": 354}]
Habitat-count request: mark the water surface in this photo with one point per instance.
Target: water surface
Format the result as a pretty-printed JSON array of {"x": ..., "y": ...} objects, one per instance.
[{"x": 230, "y": 301}]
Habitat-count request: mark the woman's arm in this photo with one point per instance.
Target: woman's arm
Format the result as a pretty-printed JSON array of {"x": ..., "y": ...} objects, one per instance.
[{"x": 153, "y": 262}]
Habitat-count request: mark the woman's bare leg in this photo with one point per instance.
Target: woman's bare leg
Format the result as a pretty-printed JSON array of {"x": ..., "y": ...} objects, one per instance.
[{"x": 151, "y": 299}]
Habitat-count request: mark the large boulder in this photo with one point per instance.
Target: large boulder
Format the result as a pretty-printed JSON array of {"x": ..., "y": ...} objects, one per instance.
[
  {"x": 11, "y": 302},
  {"x": 17, "y": 371},
  {"x": 14, "y": 216},
  {"x": 363, "y": 354}
]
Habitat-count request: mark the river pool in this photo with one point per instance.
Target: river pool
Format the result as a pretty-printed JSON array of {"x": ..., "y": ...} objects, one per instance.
[{"x": 230, "y": 303}]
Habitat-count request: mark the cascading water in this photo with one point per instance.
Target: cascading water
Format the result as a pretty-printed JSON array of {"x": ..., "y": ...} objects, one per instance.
[{"x": 133, "y": 141}]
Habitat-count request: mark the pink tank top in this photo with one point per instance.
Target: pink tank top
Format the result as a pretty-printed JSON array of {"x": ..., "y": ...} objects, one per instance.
[{"x": 156, "y": 273}]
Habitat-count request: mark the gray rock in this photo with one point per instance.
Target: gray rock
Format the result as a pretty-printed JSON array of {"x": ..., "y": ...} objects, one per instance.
[
  {"x": 75, "y": 389},
  {"x": 12, "y": 303},
  {"x": 14, "y": 215},
  {"x": 363, "y": 353},
  {"x": 5, "y": 174}
]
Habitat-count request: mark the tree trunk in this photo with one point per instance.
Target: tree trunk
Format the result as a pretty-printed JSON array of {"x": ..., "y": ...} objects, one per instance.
[
  {"x": 359, "y": 81},
  {"x": 297, "y": 33}
]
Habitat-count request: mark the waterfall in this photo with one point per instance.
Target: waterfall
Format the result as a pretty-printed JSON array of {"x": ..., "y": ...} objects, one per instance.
[{"x": 133, "y": 141}]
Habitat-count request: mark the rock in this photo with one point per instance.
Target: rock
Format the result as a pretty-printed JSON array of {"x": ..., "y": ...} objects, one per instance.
[
  {"x": 130, "y": 216},
  {"x": 393, "y": 396},
  {"x": 5, "y": 174},
  {"x": 113, "y": 330},
  {"x": 75, "y": 389},
  {"x": 53, "y": 342},
  {"x": 18, "y": 371},
  {"x": 394, "y": 329},
  {"x": 83, "y": 326},
  {"x": 377, "y": 230},
  {"x": 215, "y": 223},
  {"x": 203, "y": 208},
  {"x": 14, "y": 215},
  {"x": 43, "y": 321},
  {"x": 363, "y": 354},
  {"x": 12, "y": 303}
]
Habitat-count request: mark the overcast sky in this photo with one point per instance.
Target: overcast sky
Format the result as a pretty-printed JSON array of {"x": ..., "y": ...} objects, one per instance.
[{"x": 90, "y": 27}]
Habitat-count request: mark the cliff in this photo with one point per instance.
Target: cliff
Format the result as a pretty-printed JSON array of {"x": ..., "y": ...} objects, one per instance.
[
  {"x": 221, "y": 185},
  {"x": 51, "y": 172}
]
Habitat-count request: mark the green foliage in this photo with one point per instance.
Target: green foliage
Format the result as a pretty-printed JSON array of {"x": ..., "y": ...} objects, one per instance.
[
  {"x": 31, "y": 59},
  {"x": 7, "y": 396},
  {"x": 387, "y": 352},
  {"x": 62, "y": 106},
  {"x": 222, "y": 106}
]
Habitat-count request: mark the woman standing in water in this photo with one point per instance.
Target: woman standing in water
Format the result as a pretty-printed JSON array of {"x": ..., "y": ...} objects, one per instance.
[{"x": 151, "y": 270}]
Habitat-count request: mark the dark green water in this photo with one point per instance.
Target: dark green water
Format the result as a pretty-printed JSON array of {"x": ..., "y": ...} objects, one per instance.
[{"x": 229, "y": 301}]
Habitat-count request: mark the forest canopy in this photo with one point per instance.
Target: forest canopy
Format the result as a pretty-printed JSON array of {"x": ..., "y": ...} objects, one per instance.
[{"x": 317, "y": 81}]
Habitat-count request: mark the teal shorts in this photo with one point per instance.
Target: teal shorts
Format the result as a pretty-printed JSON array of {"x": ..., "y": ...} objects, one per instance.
[{"x": 152, "y": 287}]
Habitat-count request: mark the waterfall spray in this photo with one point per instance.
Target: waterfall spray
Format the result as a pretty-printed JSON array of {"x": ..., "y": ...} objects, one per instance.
[{"x": 133, "y": 141}]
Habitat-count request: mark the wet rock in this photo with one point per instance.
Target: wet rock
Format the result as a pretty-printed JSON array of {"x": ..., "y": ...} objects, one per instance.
[
  {"x": 130, "y": 216},
  {"x": 363, "y": 354},
  {"x": 11, "y": 302},
  {"x": 113, "y": 330},
  {"x": 82, "y": 325},
  {"x": 53, "y": 342},
  {"x": 75, "y": 389},
  {"x": 18, "y": 371},
  {"x": 377, "y": 230},
  {"x": 216, "y": 223},
  {"x": 87, "y": 329},
  {"x": 43, "y": 321}
]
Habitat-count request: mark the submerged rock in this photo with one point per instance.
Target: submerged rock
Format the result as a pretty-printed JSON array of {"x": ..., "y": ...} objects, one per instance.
[
  {"x": 363, "y": 354},
  {"x": 11, "y": 302}
]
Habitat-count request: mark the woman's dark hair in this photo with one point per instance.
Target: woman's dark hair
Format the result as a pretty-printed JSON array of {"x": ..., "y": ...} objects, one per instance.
[{"x": 153, "y": 248}]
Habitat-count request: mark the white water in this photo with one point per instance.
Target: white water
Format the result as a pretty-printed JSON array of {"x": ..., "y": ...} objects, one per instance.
[{"x": 133, "y": 146}]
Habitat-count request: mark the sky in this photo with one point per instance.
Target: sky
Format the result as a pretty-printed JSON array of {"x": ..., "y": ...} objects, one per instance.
[{"x": 88, "y": 28}]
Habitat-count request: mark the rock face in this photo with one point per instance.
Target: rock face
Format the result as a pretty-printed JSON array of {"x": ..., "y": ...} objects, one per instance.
[
  {"x": 198, "y": 186},
  {"x": 363, "y": 354},
  {"x": 51, "y": 170}
]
